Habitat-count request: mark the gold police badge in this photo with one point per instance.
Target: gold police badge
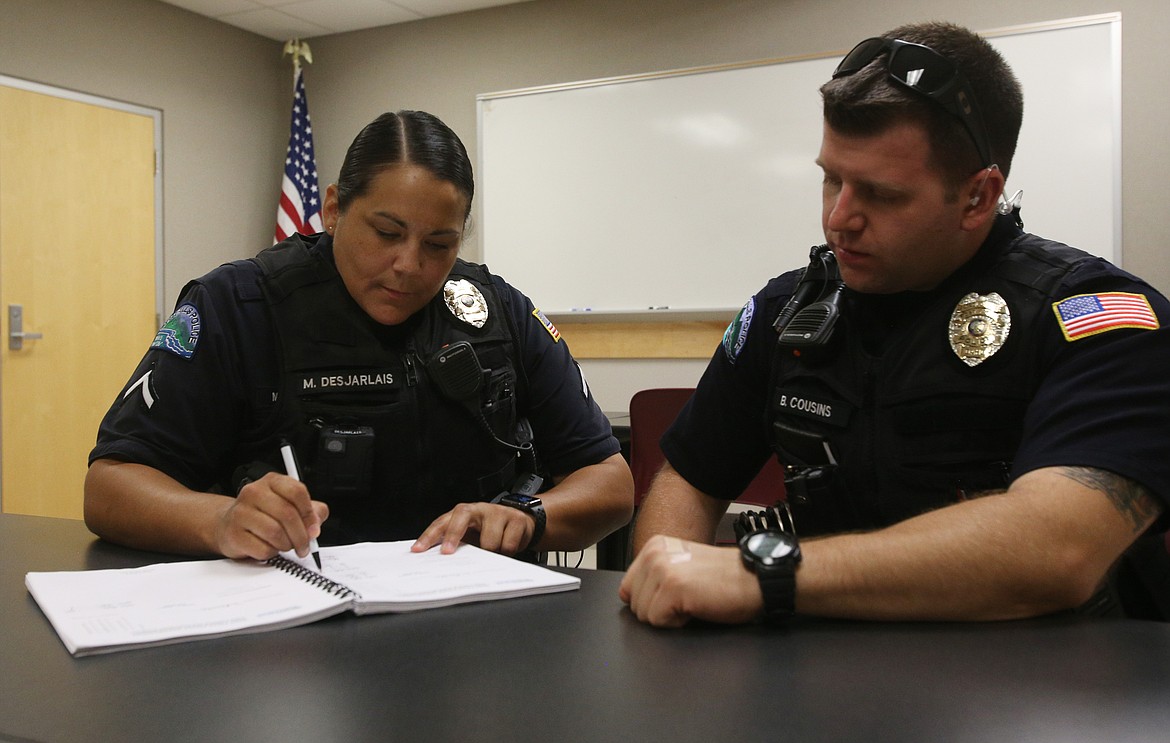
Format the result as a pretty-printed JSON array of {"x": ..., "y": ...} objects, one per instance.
[
  {"x": 465, "y": 302},
  {"x": 979, "y": 326}
]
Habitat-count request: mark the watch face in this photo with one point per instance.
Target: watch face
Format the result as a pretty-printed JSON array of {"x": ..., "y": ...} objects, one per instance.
[
  {"x": 523, "y": 500},
  {"x": 770, "y": 546}
]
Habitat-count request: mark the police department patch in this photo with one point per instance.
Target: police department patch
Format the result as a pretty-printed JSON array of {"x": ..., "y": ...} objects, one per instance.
[
  {"x": 736, "y": 334},
  {"x": 552, "y": 329},
  {"x": 180, "y": 333}
]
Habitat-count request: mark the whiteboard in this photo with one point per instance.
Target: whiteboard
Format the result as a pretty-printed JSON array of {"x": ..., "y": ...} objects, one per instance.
[{"x": 682, "y": 192}]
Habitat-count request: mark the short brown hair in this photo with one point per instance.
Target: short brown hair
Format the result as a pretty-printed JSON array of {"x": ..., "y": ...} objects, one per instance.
[{"x": 868, "y": 102}]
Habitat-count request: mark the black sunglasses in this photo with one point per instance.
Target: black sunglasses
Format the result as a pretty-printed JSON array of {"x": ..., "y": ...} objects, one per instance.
[{"x": 928, "y": 73}]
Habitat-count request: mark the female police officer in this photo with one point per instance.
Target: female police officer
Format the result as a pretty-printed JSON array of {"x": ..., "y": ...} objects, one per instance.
[{"x": 413, "y": 386}]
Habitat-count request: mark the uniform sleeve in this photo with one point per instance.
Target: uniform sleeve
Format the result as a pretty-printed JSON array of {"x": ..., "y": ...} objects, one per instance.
[
  {"x": 719, "y": 441},
  {"x": 184, "y": 405},
  {"x": 1104, "y": 401},
  {"x": 570, "y": 430}
]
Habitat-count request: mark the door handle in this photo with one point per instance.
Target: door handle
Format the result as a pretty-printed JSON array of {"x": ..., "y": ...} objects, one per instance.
[{"x": 16, "y": 334}]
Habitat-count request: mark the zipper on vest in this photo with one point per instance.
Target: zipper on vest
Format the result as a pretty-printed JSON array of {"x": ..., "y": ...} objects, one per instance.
[
  {"x": 411, "y": 371},
  {"x": 873, "y": 506}
]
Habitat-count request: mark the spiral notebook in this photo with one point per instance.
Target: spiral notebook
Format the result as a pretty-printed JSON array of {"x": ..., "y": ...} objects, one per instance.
[{"x": 104, "y": 611}]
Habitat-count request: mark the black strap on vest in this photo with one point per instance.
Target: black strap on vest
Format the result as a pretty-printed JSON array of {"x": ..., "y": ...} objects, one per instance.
[{"x": 806, "y": 323}]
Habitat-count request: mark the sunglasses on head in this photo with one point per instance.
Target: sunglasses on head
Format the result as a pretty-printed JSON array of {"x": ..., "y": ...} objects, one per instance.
[{"x": 928, "y": 73}]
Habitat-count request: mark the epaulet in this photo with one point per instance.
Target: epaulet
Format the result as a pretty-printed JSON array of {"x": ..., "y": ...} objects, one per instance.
[
  {"x": 289, "y": 265},
  {"x": 1039, "y": 264},
  {"x": 467, "y": 269}
]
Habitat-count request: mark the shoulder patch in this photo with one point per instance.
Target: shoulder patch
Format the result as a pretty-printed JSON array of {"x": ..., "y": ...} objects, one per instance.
[
  {"x": 180, "y": 333},
  {"x": 552, "y": 329},
  {"x": 1092, "y": 314},
  {"x": 736, "y": 334}
]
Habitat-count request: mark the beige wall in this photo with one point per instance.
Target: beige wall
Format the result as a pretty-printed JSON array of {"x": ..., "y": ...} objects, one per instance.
[{"x": 224, "y": 94}]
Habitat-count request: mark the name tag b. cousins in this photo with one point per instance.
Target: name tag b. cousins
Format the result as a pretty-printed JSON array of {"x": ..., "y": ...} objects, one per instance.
[{"x": 825, "y": 410}]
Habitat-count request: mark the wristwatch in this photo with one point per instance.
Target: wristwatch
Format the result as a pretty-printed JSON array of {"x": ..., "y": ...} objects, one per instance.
[
  {"x": 773, "y": 556},
  {"x": 530, "y": 505}
]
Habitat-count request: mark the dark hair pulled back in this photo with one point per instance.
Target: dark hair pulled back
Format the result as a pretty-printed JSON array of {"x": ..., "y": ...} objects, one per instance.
[{"x": 414, "y": 137}]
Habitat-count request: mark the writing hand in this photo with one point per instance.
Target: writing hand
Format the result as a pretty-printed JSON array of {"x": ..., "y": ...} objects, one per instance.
[{"x": 270, "y": 515}]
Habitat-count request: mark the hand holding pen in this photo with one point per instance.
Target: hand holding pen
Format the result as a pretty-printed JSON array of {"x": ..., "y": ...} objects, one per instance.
[{"x": 290, "y": 467}]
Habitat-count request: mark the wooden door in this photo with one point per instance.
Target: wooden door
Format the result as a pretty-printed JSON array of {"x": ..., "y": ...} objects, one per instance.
[{"x": 77, "y": 255}]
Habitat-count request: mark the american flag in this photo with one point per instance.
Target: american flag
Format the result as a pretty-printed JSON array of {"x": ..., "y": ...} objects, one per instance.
[
  {"x": 1090, "y": 314},
  {"x": 300, "y": 202}
]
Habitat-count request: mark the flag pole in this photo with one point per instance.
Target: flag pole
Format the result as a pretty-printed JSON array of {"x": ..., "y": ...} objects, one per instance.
[
  {"x": 299, "y": 209},
  {"x": 298, "y": 49}
]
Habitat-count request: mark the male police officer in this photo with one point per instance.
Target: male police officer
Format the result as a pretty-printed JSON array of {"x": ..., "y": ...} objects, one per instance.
[{"x": 973, "y": 419}]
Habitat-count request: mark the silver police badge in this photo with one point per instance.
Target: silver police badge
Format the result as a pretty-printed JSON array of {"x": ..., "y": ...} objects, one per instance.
[
  {"x": 466, "y": 302},
  {"x": 979, "y": 326}
]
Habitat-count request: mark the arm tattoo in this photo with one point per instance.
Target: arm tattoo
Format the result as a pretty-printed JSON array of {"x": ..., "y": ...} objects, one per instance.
[{"x": 1130, "y": 498}]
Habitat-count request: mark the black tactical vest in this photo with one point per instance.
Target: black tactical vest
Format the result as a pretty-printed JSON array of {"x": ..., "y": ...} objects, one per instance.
[
  {"x": 872, "y": 439},
  {"x": 376, "y": 438}
]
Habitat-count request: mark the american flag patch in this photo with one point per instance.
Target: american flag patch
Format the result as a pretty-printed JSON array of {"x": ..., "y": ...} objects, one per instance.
[
  {"x": 1090, "y": 314},
  {"x": 552, "y": 329}
]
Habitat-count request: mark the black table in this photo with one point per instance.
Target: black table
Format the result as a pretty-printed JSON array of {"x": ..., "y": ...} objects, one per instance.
[{"x": 571, "y": 667}]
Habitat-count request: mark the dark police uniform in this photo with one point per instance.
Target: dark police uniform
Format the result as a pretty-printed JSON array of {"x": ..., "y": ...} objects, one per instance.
[
  {"x": 274, "y": 348},
  {"x": 896, "y": 416}
]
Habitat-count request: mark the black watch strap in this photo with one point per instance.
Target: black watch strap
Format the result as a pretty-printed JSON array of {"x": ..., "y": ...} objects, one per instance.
[
  {"x": 533, "y": 507},
  {"x": 773, "y": 555},
  {"x": 536, "y": 512},
  {"x": 778, "y": 585}
]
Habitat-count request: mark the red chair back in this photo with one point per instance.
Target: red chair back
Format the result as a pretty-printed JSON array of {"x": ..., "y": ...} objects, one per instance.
[{"x": 651, "y": 413}]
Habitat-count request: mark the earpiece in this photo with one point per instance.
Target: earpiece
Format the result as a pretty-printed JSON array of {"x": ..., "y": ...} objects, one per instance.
[
  {"x": 975, "y": 199},
  {"x": 1007, "y": 206}
]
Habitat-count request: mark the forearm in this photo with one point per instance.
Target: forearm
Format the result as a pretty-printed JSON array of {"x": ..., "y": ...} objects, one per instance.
[
  {"x": 903, "y": 573},
  {"x": 587, "y": 504},
  {"x": 1043, "y": 546},
  {"x": 675, "y": 508},
  {"x": 141, "y": 507}
]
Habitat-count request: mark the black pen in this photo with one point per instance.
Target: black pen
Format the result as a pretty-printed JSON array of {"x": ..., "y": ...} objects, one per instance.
[{"x": 290, "y": 467}]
